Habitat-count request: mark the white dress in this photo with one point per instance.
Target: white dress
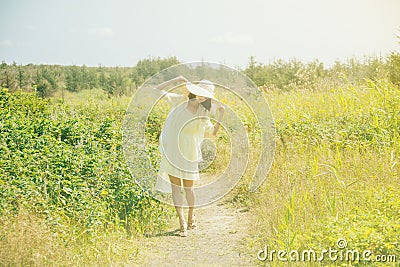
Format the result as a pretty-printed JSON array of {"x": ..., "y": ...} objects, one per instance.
[{"x": 180, "y": 142}]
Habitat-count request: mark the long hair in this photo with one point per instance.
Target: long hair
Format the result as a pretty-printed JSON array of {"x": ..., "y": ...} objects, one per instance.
[{"x": 206, "y": 104}]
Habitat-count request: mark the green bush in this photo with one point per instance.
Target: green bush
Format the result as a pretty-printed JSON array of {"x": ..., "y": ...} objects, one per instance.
[{"x": 68, "y": 165}]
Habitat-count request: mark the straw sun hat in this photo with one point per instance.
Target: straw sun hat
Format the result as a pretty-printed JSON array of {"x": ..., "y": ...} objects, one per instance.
[{"x": 203, "y": 88}]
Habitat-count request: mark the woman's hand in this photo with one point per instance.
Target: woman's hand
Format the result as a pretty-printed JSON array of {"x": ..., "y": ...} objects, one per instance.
[
  {"x": 221, "y": 110},
  {"x": 180, "y": 78}
]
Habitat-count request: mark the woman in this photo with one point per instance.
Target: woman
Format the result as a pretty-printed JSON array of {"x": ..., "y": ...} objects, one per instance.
[{"x": 180, "y": 142}]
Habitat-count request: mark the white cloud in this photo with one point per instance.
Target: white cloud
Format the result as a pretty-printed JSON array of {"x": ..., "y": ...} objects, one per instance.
[
  {"x": 101, "y": 32},
  {"x": 6, "y": 43},
  {"x": 234, "y": 38}
]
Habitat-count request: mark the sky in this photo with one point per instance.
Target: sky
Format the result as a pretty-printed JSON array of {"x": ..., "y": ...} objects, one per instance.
[{"x": 120, "y": 33}]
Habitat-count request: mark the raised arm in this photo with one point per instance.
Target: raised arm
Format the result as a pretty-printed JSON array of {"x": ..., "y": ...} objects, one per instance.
[
  {"x": 180, "y": 78},
  {"x": 172, "y": 98}
]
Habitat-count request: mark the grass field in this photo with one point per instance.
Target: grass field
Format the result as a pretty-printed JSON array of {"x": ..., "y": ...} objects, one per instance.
[
  {"x": 335, "y": 175},
  {"x": 336, "y": 172}
]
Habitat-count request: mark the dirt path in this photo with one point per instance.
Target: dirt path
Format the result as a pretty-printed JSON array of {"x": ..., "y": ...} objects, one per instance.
[{"x": 219, "y": 240}]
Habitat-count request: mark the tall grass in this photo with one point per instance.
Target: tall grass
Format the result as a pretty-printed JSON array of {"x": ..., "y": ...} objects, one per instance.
[
  {"x": 335, "y": 173},
  {"x": 28, "y": 240}
]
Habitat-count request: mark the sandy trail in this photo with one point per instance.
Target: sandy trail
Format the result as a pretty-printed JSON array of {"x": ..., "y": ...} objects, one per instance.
[{"x": 219, "y": 240}]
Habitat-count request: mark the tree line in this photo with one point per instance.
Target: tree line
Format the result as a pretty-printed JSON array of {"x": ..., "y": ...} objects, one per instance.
[
  {"x": 45, "y": 80},
  {"x": 294, "y": 74}
]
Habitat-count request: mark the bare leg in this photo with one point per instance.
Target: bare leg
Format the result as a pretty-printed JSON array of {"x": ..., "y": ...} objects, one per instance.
[
  {"x": 190, "y": 197},
  {"x": 177, "y": 198}
]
